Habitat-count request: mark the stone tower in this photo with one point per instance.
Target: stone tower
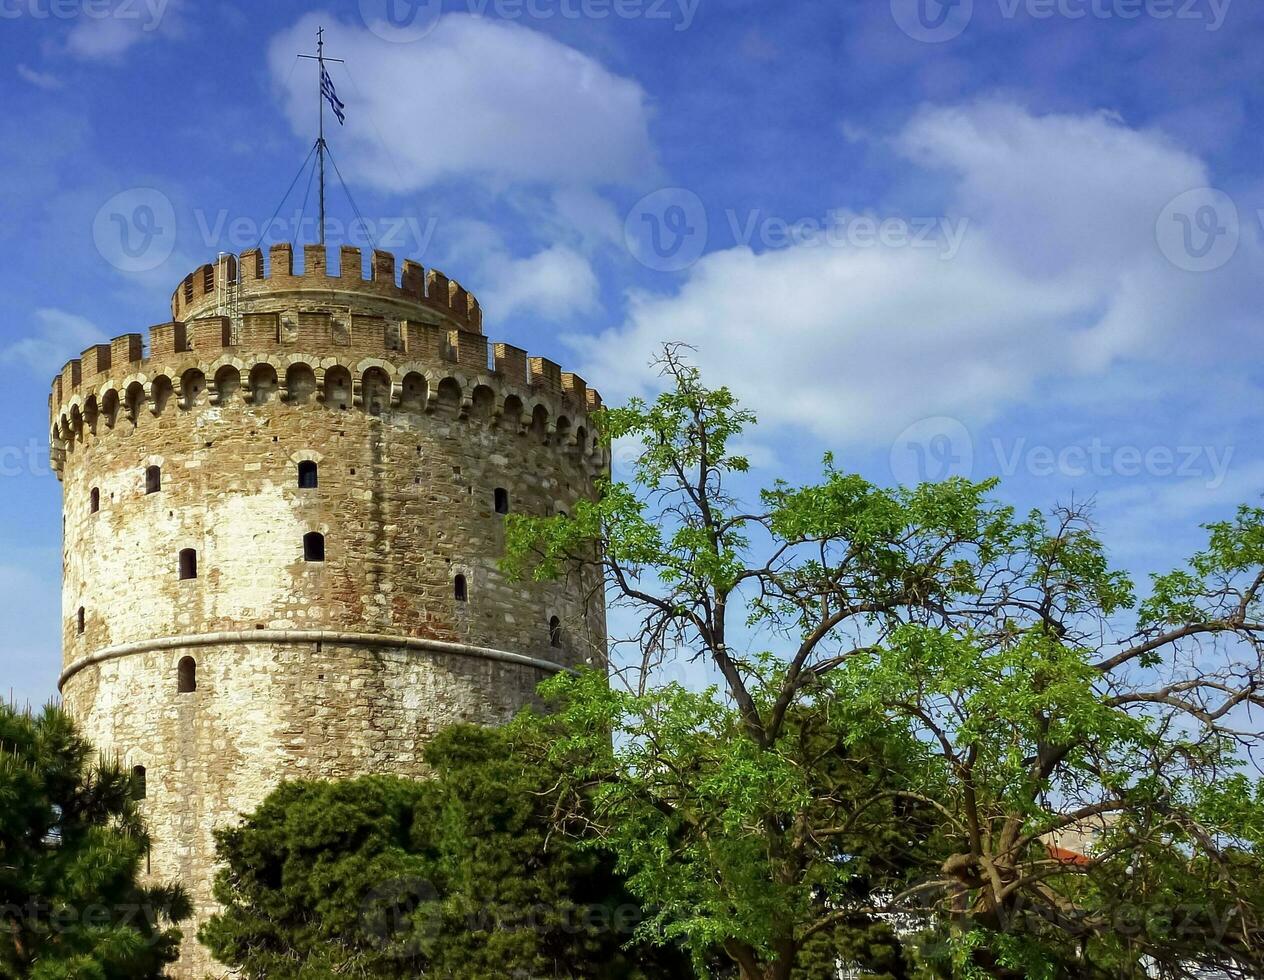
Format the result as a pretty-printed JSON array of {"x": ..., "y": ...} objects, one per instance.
[{"x": 282, "y": 528}]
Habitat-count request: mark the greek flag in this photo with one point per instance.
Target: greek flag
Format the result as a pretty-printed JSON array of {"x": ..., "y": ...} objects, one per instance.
[{"x": 327, "y": 90}]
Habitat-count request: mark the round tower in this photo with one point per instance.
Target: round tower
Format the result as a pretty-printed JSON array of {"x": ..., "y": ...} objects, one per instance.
[{"x": 282, "y": 525}]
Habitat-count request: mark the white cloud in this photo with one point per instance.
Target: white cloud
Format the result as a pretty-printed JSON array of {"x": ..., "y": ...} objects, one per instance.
[
  {"x": 1129, "y": 514},
  {"x": 105, "y": 33},
  {"x": 1057, "y": 193},
  {"x": 58, "y": 336},
  {"x": 584, "y": 212},
  {"x": 40, "y": 79},
  {"x": 1058, "y": 277},
  {"x": 477, "y": 98},
  {"x": 556, "y": 282}
]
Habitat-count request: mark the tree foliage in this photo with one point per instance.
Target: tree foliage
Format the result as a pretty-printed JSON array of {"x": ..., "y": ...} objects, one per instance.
[
  {"x": 457, "y": 876},
  {"x": 72, "y": 848},
  {"x": 682, "y": 799},
  {"x": 1069, "y": 761}
]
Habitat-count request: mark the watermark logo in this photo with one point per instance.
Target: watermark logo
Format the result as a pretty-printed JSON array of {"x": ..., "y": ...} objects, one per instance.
[
  {"x": 411, "y": 20},
  {"x": 667, "y": 230},
  {"x": 148, "y": 14},
  {"x": 135, "y": 230},
  {"x": 937, "y": 21},
  {"x": 401, "y": 21},
  {"x": 932, "y": 21},
  {"x": 401, "y": 917},
  {"x": 842, "y": 229},
  {"x": 1199, "y": 231},
  {"x": 936, "y": 449},
  {"x": 1210, "y": 12},
  {"x": 28, "y": 459},
  {"x": 398, "y": 233},
  {"x": 932, "y": 450},
  {"x": 1208, "y": 464}
]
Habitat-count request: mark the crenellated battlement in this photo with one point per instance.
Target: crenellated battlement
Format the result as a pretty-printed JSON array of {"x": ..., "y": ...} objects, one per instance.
[
  {"x": 234, "y": 281},
  {"x": 287, "y": 339},
  {"x": 529, "y": 396}
]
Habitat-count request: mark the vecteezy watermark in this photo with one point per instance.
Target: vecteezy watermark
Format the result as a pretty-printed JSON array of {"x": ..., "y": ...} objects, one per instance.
[
  {"x": 135, "y": 230},
  {"x": 668, "y": 230},
  {"x": 148, "y": 13},
  {"x": 937, "y": 21},
  {"x": 932, "y": 21},
  {"x": 41, "y": 917},
  {"x": 1206, "y": 922},
  {"x": 843, "y": 229},
  {"x": 397, "y": 232},
  {"x": 404, "y": 917},
  {"x": 1199, "y": 230},
  {"x": 401, "y": 917},
  {"x": 1097, "y": 458},
  {"x": 939, "y": 448},
  {"x": 403, "y": 21},
  {"x": 931, "y": 450},
  {"x": 29, "y": 459}
]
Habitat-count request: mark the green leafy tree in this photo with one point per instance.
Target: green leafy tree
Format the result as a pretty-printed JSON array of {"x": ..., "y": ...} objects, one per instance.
[
  {"x": 72, "y": 847},
  {"x": 681, "y": 797},
  {"x": 1074, "y": 757},
  {"x": 462, "y": 875}
]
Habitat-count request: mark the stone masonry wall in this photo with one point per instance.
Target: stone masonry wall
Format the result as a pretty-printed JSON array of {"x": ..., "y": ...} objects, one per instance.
[
  {"x": 266, "y": 712},
  {"x": 412, "y": 436}
]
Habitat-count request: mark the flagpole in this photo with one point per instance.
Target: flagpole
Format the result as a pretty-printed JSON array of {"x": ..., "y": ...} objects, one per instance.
[
  {"x": 320, "y": 59},
  {"x": 320, "y": 139}
]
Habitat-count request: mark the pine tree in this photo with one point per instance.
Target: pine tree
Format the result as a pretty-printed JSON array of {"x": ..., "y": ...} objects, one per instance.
[
  {"x": 459, "y": 876},
  {"x": 72, "y": 846}
]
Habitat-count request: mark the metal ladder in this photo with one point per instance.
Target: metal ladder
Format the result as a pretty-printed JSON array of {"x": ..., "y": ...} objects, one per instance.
[{"x": 228, "y": 293}]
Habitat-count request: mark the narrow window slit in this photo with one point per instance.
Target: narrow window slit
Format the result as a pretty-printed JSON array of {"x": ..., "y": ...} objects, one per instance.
[
  {"x": 186, "y": 676},
  {"x": 313, "y": 546}
]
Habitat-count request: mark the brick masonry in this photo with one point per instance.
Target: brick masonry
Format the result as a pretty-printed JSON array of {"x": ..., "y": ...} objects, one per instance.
[{"x": 306, "y": 668}]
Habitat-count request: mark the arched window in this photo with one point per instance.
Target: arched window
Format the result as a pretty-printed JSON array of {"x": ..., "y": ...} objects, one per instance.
[
  {"x": 307, "y": 475},
  {"x": 375, "y": 389},
  {"x": 502, "y": 500},
  {"x": 460, "y": 591},
  {"x": 263, "y": 383},
  {"x": 153, "y": 479},
  {"x": 186, "y": 676},
  {"x": 79, "y": 621},
  {"x": 313, "y": 546},
  {"x": 188, "y": 563},
  {"x": 337, "y": 387},
  {"x": 300, "y": 383},
  {"x": 94, "y": 500},
  {"x": 139, "y": 788},
  {"x": 555, "y": 632}
]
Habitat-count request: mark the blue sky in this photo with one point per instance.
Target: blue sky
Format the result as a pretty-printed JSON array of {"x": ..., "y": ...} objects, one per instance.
[{"x": 999, "y": 237}]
